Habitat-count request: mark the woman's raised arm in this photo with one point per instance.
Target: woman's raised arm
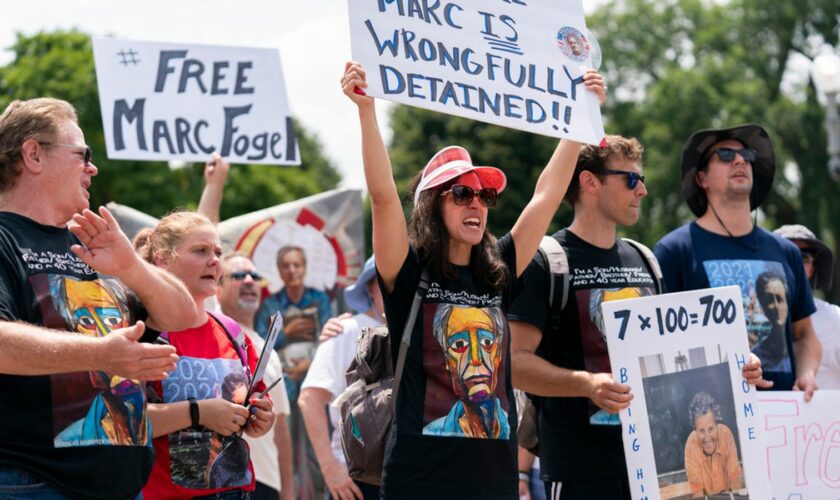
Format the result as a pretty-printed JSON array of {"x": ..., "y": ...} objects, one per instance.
[
  {"x": 550, "y": 190},
  {"x": 390, "y": 232}
]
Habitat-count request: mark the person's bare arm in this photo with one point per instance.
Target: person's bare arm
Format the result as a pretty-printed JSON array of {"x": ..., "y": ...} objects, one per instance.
[
  {"x": 32, "y": 350},
  {"x": 215, "y": 174},
  {"x": 390, "y": 232},
  {"x": 535, "y": 375},
  {"x": 551, "y": 187},
  {"x": 106, "y": 249},
  {"x": 312, "y": 402},
  {"x": 807, "y": 349}
]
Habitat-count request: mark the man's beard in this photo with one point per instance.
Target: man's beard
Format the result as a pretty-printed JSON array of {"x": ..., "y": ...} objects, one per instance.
[{"x": 248, "y": 305}]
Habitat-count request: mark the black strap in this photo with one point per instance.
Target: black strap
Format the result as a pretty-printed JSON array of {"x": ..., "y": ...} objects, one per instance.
[{"x": 407, "y": 331}]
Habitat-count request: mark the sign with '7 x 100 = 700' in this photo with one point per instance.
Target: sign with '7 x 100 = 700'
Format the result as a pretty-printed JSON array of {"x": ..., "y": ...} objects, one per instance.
[
  {"x": 165, "y": 101},
  {"x": 694, "y": 426}
]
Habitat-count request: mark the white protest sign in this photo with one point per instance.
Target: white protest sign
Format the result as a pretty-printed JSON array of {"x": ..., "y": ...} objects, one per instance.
[
  {"x": 682, "y": 355},
  {"x": 803, "y": 444},
  {"x": 165, "y": 101},
  {"x": 516, "y": 63}
]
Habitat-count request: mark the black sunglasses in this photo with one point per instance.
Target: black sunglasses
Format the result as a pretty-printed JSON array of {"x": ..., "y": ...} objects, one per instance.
[
  {"x": 463, "y": 195},
  {"x": 241, "y": 275},
  {"x": 88, "y": 154},
  {"x": 632, "y": 177},
  {"x": 728, "y": 154}
]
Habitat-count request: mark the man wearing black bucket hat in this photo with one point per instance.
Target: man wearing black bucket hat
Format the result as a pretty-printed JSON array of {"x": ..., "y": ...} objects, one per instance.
[
  {"x": 726, "y": 174},
  {"x": 818, "y": 260}
]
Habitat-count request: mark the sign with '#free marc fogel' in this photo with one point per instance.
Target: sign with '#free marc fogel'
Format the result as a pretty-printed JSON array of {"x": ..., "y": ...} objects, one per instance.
[{"x": 165, "y": 101}]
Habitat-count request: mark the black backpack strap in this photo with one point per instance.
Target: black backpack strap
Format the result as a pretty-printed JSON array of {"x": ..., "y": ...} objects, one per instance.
[
  {"x": 652, "y": 263},
  {"x": 558, "y": 266},
  {"x": 407, "y": 330}
]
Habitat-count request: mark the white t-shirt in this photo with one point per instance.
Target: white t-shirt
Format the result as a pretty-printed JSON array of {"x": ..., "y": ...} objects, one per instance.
[
  {"x": 826, "y": 323},
  {"x": 331, "y": 361},
  {"x": 264, "y": 453}
]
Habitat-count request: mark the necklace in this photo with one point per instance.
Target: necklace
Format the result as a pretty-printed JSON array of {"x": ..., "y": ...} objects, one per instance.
[{"x": 752, "y": 247}]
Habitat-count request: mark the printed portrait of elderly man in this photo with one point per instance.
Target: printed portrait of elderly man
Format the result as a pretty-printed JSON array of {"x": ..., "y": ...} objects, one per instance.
[
  {"x": 711, "y": 457},
  {"x": 473, "y": 342}
]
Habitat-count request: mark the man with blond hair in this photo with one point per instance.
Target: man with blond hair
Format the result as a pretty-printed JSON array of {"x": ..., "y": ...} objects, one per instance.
[{"x": 71, "y": 365}]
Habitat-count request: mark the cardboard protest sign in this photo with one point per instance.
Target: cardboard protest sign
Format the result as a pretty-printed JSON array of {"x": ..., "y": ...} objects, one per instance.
[
  {"x": 682, "y": 355},
  {"x": 802, "y": 458},
  {"x": 514, "y": 63},
  {"x": 165, "y": 101}
]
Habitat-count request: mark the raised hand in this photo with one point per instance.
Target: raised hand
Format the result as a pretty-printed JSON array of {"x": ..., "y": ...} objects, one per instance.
[
  {"x": 106, "y": 248},
  {"x": 595, "y": 83},
  {"x": 126, "y": 357},
  {"x": 354, "y": 82},
  {"x": 216, "y": 171}
]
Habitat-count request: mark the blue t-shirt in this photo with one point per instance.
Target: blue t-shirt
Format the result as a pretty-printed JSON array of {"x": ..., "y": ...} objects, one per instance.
[
  {"x": 314, "y": 304},
  {"x": 769, "y": 271}
]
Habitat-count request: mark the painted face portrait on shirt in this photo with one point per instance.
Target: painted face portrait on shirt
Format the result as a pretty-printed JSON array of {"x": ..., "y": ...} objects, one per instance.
[{"x": 472, "y": 343}]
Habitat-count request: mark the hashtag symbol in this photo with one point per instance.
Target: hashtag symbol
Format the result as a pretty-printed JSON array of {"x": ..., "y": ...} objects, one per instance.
[{"x": 128, "y": 57}]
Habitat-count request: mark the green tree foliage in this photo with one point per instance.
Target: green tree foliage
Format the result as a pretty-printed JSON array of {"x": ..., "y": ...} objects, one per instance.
[
  {"x": 673, "y": 67},
  {"x": 60, "y": 64}
]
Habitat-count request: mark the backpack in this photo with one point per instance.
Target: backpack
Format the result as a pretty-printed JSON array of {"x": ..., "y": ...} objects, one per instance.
[
  {"x": 368, "y": 404},
  {"x": 558, "y": 264}
]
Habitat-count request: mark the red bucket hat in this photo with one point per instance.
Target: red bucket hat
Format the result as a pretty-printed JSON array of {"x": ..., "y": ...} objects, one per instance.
[{"x": 450, "y": 163}]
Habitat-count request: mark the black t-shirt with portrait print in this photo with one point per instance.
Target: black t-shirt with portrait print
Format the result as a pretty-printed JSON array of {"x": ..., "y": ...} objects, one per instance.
[
  {"x": 454, "y": 435},
  {"x": 84, "y": 433},
  {"x": 578, "y": 440}
]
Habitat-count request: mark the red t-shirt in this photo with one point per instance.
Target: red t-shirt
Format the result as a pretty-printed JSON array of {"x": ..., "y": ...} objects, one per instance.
[{"x": 194, "y": 462}]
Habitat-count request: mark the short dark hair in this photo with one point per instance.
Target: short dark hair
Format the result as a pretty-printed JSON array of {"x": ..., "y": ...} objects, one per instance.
[
  {"x": 761, "y": 283},
  {"x": 594, "y": 158}
]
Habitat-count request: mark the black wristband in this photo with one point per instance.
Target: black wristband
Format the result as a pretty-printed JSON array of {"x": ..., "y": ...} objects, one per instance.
[{"x": 194, "y": 415}]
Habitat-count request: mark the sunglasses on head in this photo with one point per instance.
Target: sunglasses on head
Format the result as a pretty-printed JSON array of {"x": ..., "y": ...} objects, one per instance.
[
  {"x": 88, "y": 153},
  {"x": 728, "y": 154},
  {"x": 463, "y": 195},
  {"x": 632, "y": 177},
  {"x": 241, "y": 275}
]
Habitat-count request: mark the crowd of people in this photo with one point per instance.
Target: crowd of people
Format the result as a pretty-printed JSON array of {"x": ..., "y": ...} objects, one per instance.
[{"x": 129, "y": 367}]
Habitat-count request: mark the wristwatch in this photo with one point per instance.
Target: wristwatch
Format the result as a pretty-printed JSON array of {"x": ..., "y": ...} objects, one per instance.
[{"x": 194, "y": 415}]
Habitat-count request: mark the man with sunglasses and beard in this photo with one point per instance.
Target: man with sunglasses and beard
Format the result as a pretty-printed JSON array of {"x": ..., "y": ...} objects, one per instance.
[
  {"x": 558, "y": 353},
  {"x": 726, "y": 174}
]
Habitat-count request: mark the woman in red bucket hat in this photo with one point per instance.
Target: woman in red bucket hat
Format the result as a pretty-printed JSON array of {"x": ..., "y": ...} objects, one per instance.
[{"x": 454, "y": 431}]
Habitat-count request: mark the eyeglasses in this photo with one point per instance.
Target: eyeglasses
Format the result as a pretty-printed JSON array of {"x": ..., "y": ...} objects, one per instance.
[
  {"x": 463, "y": 195},
  {"x": 728, "y": 154},
  {"x": 632, "y": 177},
  {"x": 807, "y": 256},
  {"x": 88, "y": 154},
  {"x": 241, "y": 275}
]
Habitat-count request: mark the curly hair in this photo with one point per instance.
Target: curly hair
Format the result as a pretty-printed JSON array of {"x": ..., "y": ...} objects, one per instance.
[
  {"x": 37, "y": 119},
  {"x": 701, "y": 404},
  {"x": 167, "y": 234},
  {"x": 594, "y": 158},
  {"x": 427, "y": 233}
]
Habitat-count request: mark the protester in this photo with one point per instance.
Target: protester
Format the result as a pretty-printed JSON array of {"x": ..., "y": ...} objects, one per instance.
[
  {"x": 818, "y": 261},
  {"x": 200, "y": 409},
  {"x": 75, "y": 422},
  {"x": 305, "y": 310},
  {"x": 726, "y": 173},
  {"x": 711, "y": 457},
  {"x": 326, "y": 380},
  {"x": 473, "y": 278},
  {"x": 239, "y": 297}
]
